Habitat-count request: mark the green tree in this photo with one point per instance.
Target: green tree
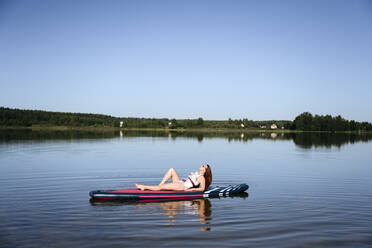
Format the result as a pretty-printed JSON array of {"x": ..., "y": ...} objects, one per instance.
[
  {"x": 304, "y": 121},
  {"x": 200, "y": 122}
]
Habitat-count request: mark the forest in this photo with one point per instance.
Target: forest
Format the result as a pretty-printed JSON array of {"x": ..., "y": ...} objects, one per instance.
[
  {"x": 304, "y": 122},
  {"x": 307, "y": 122}
]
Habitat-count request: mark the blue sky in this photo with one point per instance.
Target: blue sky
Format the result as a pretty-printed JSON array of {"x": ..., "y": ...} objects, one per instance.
[{"x": 187, "y": 59}]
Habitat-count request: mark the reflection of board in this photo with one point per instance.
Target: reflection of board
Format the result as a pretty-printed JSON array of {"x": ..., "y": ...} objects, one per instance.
[{"x": 136, "y": 194}]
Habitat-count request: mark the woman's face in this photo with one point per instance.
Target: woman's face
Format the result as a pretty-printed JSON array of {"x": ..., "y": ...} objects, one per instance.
[{"x": 202, "y": 169}]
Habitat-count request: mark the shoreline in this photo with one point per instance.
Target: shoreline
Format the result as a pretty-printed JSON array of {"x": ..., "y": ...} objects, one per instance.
[{"x": 201, "y": 130}]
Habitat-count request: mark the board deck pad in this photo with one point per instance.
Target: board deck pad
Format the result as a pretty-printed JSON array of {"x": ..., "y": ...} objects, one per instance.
[{"x": 136, "y": 194}]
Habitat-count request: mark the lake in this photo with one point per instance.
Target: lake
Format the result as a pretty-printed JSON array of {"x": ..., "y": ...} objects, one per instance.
[{"x": 305, "y": 190}]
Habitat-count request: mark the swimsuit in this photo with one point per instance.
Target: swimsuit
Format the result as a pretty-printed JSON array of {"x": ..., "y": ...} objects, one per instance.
[{"x": 191, "y": 181}]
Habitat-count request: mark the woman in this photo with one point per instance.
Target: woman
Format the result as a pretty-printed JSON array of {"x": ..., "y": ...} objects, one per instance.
[{"x": 197, "y": 181}]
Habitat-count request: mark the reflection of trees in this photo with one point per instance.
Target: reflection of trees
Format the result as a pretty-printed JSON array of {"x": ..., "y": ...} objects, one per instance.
[
  {"x": 308, "y": 140},
  {"x": 27, "y": 134},
  {"x": 304, "y": 140}
]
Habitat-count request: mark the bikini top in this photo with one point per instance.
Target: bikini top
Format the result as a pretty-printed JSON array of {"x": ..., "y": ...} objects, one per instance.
[{"x": 193, "y": 179}]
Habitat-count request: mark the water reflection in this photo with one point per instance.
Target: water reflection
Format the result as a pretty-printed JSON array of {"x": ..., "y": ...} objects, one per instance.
[
  {"x": 303, "y": 140},
  {"x": 198, "y": 207},
  {"x": 172, "y": 210},
  {"x": 28, "y": 134}
]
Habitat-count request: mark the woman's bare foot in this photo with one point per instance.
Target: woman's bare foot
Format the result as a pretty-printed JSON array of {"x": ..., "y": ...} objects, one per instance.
[{"x": 140, "y": 186}]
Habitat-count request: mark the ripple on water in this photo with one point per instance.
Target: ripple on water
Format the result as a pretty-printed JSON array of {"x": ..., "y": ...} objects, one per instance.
[{"x": 296, "y": 198}]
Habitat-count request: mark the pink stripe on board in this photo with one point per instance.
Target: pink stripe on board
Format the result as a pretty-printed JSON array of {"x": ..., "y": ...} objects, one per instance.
[
  {"x": 170, "y": 196},
  {"x": 165, "y": 199},
  {"x": 144, "y": 191}
]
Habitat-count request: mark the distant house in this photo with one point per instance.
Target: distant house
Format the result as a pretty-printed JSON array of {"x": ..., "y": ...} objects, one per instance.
[
  {"x": 169, "y": 123},
  {"x": 121, "y": 123},
  {"x": 242, "y": 125},
  {"x": 274, "y": 126},
  {"x": 263, "y": 126}
]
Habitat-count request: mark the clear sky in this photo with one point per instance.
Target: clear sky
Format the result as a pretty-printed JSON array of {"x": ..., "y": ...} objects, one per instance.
[{"x": 187, "y": 59}]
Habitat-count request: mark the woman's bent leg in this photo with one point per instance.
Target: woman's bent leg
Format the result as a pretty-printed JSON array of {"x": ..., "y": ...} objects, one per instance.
[{"x": 171, "y": 174}]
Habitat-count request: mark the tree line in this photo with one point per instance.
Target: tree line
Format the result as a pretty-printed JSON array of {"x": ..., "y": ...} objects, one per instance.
[
  {"x": 27, "y": 118},
  {"x": 305, "y": 121}
]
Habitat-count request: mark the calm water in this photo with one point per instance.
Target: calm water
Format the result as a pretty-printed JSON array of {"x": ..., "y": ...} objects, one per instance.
[{"x": 305, "y": 190}]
